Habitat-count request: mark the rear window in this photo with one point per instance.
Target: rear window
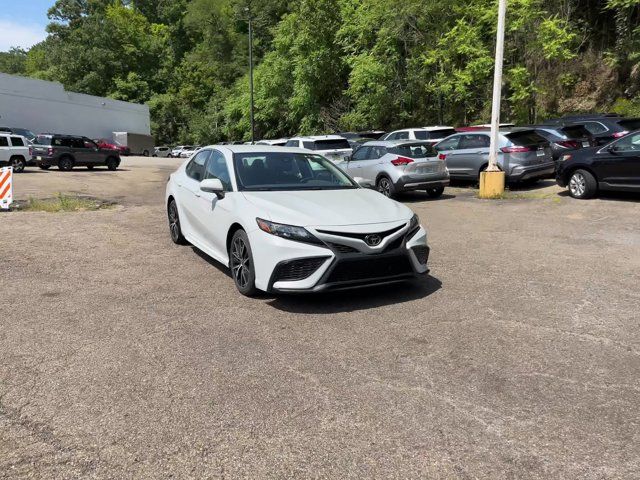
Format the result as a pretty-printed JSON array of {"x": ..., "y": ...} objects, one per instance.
[
  {"x": 43, "y": 140},
  {"x": 575, "y": 131},
  {"x": 434, "y": 134},
  {"x": 526, "y": 138},
  {"x": 341, "y": 144},
  {"x": 630, "y": 124},
  {"x": 417, "y": 150},
  {"x": 4, "y": 141}
]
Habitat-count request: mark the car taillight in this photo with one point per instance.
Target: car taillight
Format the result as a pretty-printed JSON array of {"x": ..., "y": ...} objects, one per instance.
[
  {"x": 442, "y": 156},
  {"x": 515, "y": 149},
  {"x": 30, "y": 151},
  {"x": 569, "y": 144},
  {"x": 50, "y": 151},
  {"x": 620, "y": 134},
  {"x": 401, "y": 161}
]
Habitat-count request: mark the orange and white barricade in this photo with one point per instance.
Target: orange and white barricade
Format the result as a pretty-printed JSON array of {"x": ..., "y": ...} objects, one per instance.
[{"x": 6, "y": 187}]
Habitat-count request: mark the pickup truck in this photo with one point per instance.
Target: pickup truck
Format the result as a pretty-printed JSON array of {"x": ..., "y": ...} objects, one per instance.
[
  {"x": 14, "y": 151},
  {"x": 68, "y": 151}
]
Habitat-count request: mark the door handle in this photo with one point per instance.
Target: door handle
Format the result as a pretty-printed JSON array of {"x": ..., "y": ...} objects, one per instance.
[{"x": 197, "y": 195}]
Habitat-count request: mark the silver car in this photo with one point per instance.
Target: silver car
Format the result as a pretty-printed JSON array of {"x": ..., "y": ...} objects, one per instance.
[
  {"x": 400, "y": 165},
  {"x": 522, "y": 154}
]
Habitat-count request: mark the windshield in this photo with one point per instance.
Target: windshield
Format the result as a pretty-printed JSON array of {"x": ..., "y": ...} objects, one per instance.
[
  {"x": 340, "y": 144},
  {"x": 288, "y": 171},
  {"x": 28, "y": 134}
]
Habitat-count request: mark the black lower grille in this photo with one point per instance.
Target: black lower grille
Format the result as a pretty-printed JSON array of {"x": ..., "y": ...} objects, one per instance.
[
  {"x": 422, "y": 254},
  {"x": 297, "y": 269},
  {"x": 343, "y": 248},
  {"x": 370, "y": 268}
]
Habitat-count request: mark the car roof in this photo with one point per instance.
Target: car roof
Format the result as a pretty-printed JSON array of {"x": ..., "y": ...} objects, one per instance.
[
  {"x": 395, "y": 143},
  {"x": 314, "y": 138},
  {"x": 259, "y": 149}
]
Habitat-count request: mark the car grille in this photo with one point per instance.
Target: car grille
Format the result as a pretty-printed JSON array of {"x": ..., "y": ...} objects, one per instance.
[
  {"x": 361, "y": 236},
  {"x": 343, "y": 248},
  {"x": 370, "y": 268},
  {"x": 297, "y": 269}
]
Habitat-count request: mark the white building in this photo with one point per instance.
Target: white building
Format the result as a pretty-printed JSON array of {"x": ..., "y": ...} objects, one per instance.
[{"x": 42, "y": 106}]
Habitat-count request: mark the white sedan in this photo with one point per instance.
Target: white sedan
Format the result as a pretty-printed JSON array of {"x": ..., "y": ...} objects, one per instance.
[{"x": 289, "y": 220}]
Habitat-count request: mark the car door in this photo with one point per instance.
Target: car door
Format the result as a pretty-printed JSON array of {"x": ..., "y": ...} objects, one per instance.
[
  {"x": 372, "y": 166},
  {"x": 190, "y": 195},
  {"x": 618, "y": 165},
  {"x": 472, "y": 153},
  {"x": 94, "y": 156},
  {"x": 354, "y": 166},
  {"x": 449, "y": 148},
  {"x": 5, "y": 151},
  {"x": 216, "y": 214}
]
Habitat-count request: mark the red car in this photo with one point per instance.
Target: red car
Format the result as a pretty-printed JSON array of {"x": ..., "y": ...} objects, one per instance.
[{"x": 106, "y": 144}]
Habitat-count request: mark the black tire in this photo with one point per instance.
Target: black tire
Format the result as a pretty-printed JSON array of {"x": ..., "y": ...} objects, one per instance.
[
  {"x": 435, "y": 192},
  {"x": 89, "y": 167},
  {"x": 385, "y": 186},
  {"x": 154, "y": 155},
  {"x": 145, "y": 153},
  {"x": 112, "y": 164},
  {"x": 18, "y": 164},
  {"x": 174, "y": 224},
  {"x": 241, "y": 264},
  {"x": 66, "y": 164},
  {"x": 582, "y": 185},
  {"x": 44, "y": 167}
]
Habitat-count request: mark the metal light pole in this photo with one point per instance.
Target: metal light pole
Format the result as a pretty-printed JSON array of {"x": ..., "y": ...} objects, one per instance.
[
  {"x": 253, "y": 126},
  {"x": 492, "y": 181}
]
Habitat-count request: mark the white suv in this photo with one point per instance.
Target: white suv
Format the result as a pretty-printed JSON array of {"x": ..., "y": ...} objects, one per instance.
[
  {"x": 14, "y": 151},
  {"x": 428, "y": 134},
  {"x": 333, "y": 147}
]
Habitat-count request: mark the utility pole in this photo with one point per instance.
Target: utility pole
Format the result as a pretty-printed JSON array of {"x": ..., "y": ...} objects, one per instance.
[
  {"x": 253, "y": 126},
  {"x": 492, "y": 181}
]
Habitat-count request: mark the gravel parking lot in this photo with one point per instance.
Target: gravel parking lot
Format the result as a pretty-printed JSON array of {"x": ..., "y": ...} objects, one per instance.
[{"x": 125, "y": 356}]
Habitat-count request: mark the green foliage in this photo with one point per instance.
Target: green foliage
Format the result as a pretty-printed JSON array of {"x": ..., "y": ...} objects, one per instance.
[{"x": 323, "y": 65}]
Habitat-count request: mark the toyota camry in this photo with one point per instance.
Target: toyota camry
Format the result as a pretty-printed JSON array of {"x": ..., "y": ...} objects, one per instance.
[{"x": 289, "y": 220}]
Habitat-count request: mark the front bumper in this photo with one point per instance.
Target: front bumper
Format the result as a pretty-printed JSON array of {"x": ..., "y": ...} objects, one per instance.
[
  {"x": 336, "y": 267},
  {"x": 530, "y": 172}
]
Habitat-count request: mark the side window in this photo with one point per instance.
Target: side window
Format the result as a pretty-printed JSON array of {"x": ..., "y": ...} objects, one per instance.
[
  {"x": 595, "y": 127},
  {"x": 4, "y": 141},
  {"x": 378, "y": 152},
  {"x": 473, "y": 141},
  {"x": 361, "y": 154},
  {"x": 17, "y": 142},
  {"x": 88, "y": 143},
  {"x": 65, "y": 142},
  {"x": 195, "y": 168},
  {"x": 308, "y": 145},
  {"x": 630, "y": 143},
  {"x": 402, "y": 136},
  {"x": 291, "y": 143},
  {"x": 448, "y": 144},
  {"x": 217, "y": 168},
  {"x": 77, "y": 143},
  {"x": 391, "y": 136}
]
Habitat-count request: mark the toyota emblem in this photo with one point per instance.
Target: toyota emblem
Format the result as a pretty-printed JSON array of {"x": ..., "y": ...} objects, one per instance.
[{"x": 373, "y": 240}]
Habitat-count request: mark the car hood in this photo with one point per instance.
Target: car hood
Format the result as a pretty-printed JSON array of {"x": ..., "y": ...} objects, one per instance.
[{"x": 328, "y": 207}]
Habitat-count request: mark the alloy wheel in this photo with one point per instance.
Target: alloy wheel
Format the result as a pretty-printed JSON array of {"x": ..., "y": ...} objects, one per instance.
[
  {"x": 577, "y": 184},
  {"x": 18, "y": 165},
  {"x": 174, "y": 222},
  {"x": 240, "y": 262},
  {"x": 384, "y": 187}
]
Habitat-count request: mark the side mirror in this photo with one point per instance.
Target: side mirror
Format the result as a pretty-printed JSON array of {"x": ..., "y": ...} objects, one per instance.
[
  {"x": 612, "y": 149},
  {"x": 212, "y": 185},
  {"x": 363, "y": 182}
]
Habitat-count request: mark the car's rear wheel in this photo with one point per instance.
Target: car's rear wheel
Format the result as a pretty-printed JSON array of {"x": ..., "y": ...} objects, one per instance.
[
  {"x": 174, "y": 224},
  {"x": 65, "y": 164},
  {"x": 112, "y": 164},
  {"x": 241, "y": 264},
  {"x": 582, "y": 185},
  {"x": 145, "y": 153},
  {"x": 435, "y": 192},
  {"x": 18, "y": 164},
  {"x": 385, "y": 186}
]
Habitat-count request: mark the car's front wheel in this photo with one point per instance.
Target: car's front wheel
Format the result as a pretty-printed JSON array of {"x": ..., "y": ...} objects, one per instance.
[
  {"x": 18, "y": 164},
  {"x": 241, "y": 264},
  {"x": 582, "y": 185},
  {"x": 435, "y": 192},
  {"x": 65, "y": 164},
  {"x": 174, "y": 224},
  {"x": 112, "y": 164}
]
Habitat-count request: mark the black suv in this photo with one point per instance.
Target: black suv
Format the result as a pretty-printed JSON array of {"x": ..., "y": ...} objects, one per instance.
[
  {"x": 603, "y": 127},
  {"x": 68, "y": 151}
]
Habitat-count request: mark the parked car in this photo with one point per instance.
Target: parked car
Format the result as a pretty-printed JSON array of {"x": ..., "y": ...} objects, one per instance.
[
  {"x": 14, "y": 151},
  {"x": 289, "y": 220},
  {"x": 430, "y": 134},
  {"x": 399, "y": 165},
  {"x": 615, "y": 166},
  {"x": 106, "y": 144},
  {"x": 369, "y": 134},
  {"x": 281, "y": 142},
  {"x": 334, "y": 147},
  {"x": 523, "y": 155},
  {"x": 176, "y": 151},
  {"x": 23, "y": 132},
  {"x": 162, "y": 152},
  {"x": 189, "y": 151},
  {"x": 69, "y": 151},
  {"x": 565, "y": 139},
  {"x": 603, "y": 127}
]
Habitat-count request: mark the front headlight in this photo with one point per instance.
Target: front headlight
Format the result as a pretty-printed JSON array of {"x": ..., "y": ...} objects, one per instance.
[
  {"x": 414, "y": 226},
  {"x": 290, "y": 232}
]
